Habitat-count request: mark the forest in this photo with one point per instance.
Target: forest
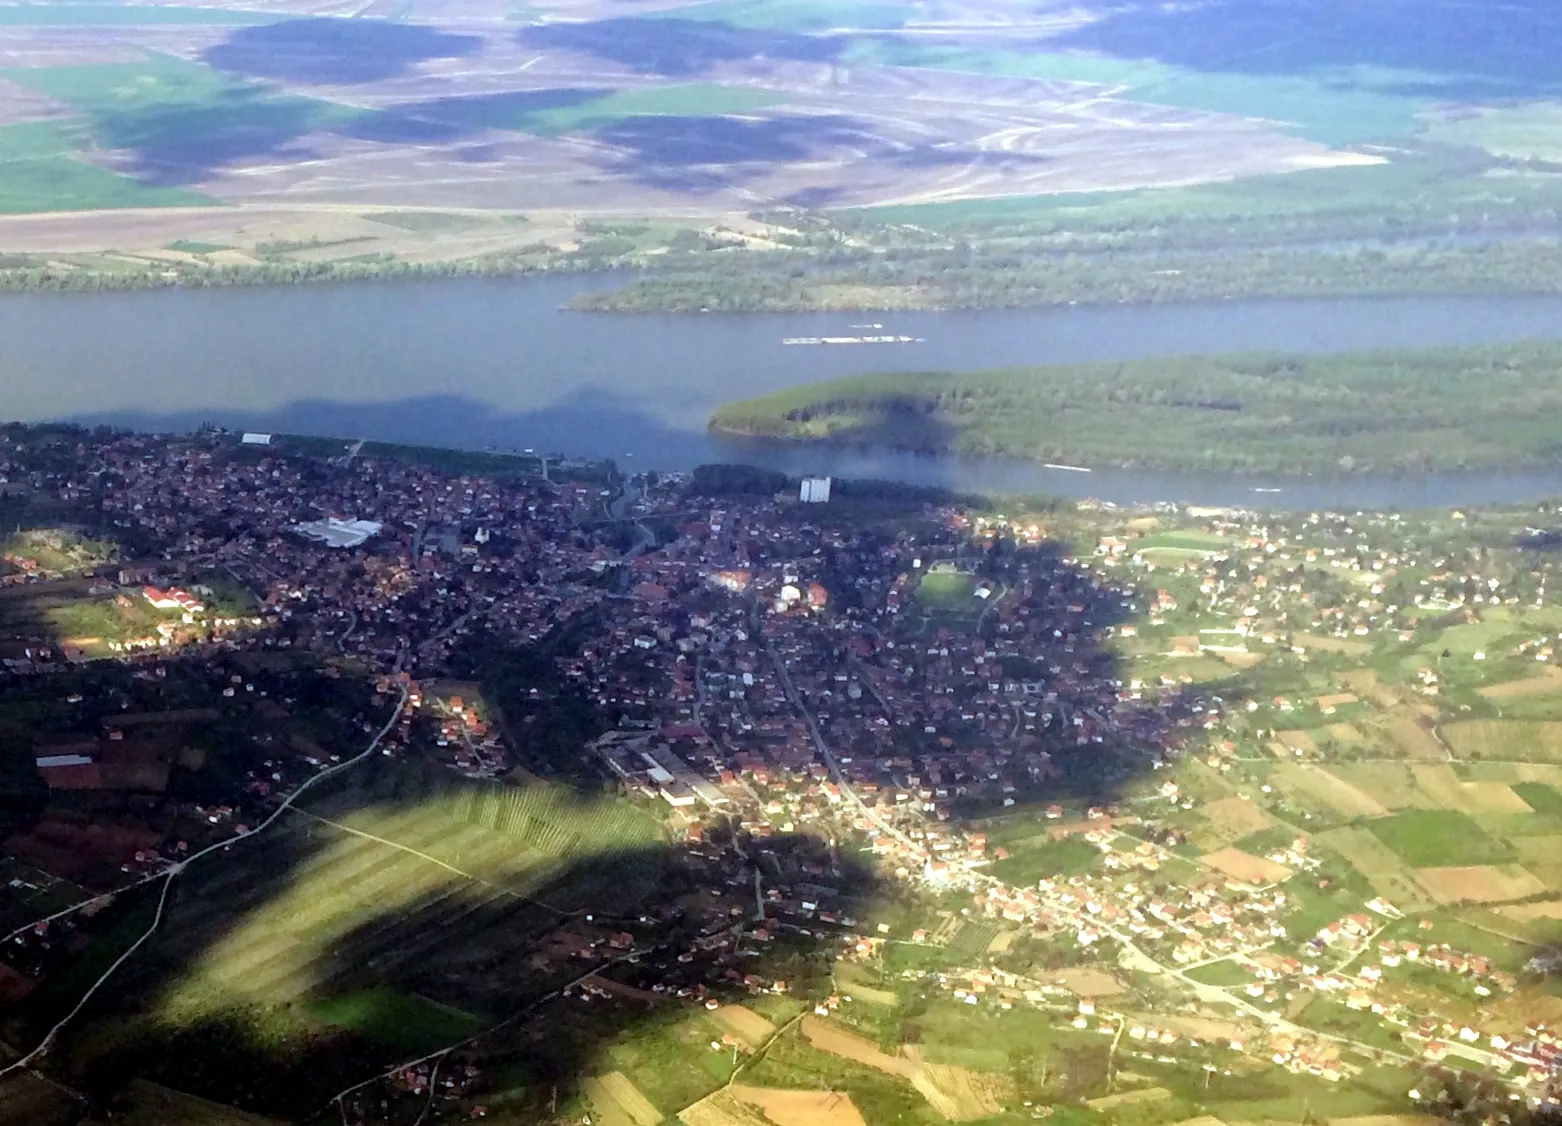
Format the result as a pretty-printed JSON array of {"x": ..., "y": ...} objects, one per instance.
[{"x": 1404, "y": 411}]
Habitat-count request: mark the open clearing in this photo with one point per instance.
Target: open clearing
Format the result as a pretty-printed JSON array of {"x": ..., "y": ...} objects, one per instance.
[
  {"x": 801, "y": 1108},
  {"x": 1435, "y": 838},
  {"x": 1506, "y": 739},
  {"x": 1129, "y": 1098},
  {"x": 744, "y": 1024},
  {"x": 1320, "y": 644},
  {"x": 1414, "y": 740},
  {"x": 959, "y": 1094},
  {"x": 1544, "y": 685},
  {"x": 1389, "y": 876},
  {"x": 1532, "y": 912},
  {"x": 1087, "y": 981},
  {"x": 1479, "y": 884},
  {"x": 832, "y": 1038},
  {"x": 1229, "y": 820},
  {"x": 618, "y": 1102},
  {"x": 1246, "y": 867},
  {"x": 1336, "y": 793}
]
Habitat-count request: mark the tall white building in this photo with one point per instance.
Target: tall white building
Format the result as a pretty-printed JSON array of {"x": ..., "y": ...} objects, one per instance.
[{"x": 815, "y": 490}]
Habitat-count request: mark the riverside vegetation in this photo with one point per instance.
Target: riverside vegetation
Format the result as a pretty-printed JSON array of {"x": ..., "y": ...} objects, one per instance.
[{"x": 1402, "y": 411}]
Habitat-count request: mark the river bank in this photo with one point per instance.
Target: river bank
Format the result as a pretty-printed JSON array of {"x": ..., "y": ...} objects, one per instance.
[{"x": 495, "y": 363}]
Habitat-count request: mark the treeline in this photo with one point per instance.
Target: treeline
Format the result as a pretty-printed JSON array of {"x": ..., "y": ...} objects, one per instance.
[
  {"x": 1408, "y": 411},
  {"x": 996, "y": 277}
]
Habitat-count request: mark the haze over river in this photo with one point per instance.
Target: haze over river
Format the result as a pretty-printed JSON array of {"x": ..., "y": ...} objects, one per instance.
[{"x": 495, "y": 362}]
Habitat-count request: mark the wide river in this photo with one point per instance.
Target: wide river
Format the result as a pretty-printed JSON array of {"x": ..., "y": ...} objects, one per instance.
[{"x": 496, "y": 362}]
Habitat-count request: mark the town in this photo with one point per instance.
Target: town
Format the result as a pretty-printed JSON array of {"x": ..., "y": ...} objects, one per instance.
[{"x": 383, "y": 787}]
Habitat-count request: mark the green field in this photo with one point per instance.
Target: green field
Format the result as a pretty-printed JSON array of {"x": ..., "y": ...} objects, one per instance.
[
  {"x": 1402, "y": 411},
  {"x": 401, "y": 1020},
  {"x": 1047, "y": 860},
  {"x": 38, "y": 172},
  {"x": 1542, "y": 798},
  {"x": 698, "y": 99},
  {"x": 1525, "y": 132},
  {"x": 946, "y": 591},
  {"x": 1439, "y": 838}
]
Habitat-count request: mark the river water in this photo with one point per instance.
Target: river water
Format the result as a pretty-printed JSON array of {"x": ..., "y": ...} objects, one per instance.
[{"x": 496, "y": 362}]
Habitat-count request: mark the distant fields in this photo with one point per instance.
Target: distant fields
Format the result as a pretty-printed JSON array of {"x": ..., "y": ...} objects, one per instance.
[
  {"x": 401, "y": 1020},
  {"x": 124, "y": 15},
  {"x": 699, "y": 99},
  {"x": 38, "y": 172},
  {"x": 1439, "y": 838}
]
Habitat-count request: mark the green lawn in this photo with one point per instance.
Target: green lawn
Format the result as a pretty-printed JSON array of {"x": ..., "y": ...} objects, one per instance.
[
  {"x": 1026, "y": 865},
  {"x": 1225, "y": 974},
  {"x": 946, "y": 591},
  {"x": 1540, "y": 797},
  {"x": 401, "y": 1020},
  {"x": 1439, "y": 838}
]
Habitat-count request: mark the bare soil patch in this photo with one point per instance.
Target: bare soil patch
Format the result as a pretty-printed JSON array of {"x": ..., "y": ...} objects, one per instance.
[
  {"x": 828, "y": 1037},
  {"x": 618, "y": 1102},
  {"x": 745, "y": 1024},
  {"x": 801, "y": 1108},
  {"x": 1545, "y": 684},
  {"x": 1088, "y": 981},
  {"x": 1231, "y": 819},
  {"x": 1484, "y": 883},
  {"x": 1246, "y": 867}
]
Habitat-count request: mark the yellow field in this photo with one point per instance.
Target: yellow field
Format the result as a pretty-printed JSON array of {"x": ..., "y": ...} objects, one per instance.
[
  {"x": 832, "y": 1038},
  {"x": 1506, "y": 739},
  {"x": 1531, "y": 912},
  {"x": 618, "y": 1102},
  {"x": 1346, "y": 733},
  {"x": 1298, "y": 741},
  {"x": 1246, "y": 867},
  {"x": 1088, "y": 981},
  {"x": 1390, "y": 783},
  {"x": 1319, "y": 644},
  {"x": 1413, "y": 740},
  {"x": 802, "y": 1108},
  {"x": 1229, "y": 820},
  {"x": 1388, "y": 875},
  {"x": 1333, "y": 792},
  {"x": 961, "y": 1095},
  {"x": 1548, "y": 682},
  {"x": 744, "y": 1024},
  {"x": 724, "y": 1108},
  {"x": 1129, "y": 1098},
  {"x": 1485, "y": 883}
]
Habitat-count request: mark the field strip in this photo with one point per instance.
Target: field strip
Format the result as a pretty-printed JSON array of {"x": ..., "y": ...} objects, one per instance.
[
  {"x": 431, "y": 859},
  {"x": 167, "y": 877}
]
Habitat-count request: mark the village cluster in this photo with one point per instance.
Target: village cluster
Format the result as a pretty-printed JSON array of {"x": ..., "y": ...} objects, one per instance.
[{"x": 963, "y": 696}]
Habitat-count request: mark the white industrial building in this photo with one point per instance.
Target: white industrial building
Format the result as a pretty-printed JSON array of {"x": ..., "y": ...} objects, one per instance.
[
  {"x": 815, "y": 490},
  {"x": 339, "y": 533}
]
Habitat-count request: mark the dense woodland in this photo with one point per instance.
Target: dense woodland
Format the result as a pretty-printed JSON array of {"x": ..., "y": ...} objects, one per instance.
[{"x": 1409, "y": 411}]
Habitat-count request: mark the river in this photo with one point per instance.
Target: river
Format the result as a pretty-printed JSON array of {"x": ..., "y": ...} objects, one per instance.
[{"x": 495, "y": 362}]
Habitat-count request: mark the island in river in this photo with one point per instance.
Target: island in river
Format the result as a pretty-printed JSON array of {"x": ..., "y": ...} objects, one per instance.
[{"x": 1408, "y": 411}]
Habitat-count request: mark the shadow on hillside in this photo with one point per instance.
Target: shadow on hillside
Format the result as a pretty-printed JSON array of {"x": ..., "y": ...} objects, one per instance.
[
  {"x": 677, "y": 47},
  {"x": 1433, "y": 49},
  {"x": 335, "y": 52}
]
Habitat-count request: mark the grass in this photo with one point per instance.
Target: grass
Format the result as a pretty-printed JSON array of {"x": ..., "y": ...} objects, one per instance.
[
  {"x": 38, "y": 172},
  {"x": 1063, "y": 858},
  {"x": 401, "y": 1020},
  {"x": 1439, "y": 838},
  {"x": 190, "y": 246},
  {"x": 1542, "y": 798},
  {"x": 945, "y": 591},
  {"x": 1224, "y": 973}
]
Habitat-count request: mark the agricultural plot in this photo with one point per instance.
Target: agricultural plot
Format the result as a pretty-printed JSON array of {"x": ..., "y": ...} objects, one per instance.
[
  {"x": 618, "y": 1102},
  {"x": 1438, "y": 838},
  {"x": 1546, "y": 684},
  {"x": 1227, "y": 821},
  {"x": 1388, "y": 875},
  {"x": 365, "y": 896},
  {"x": 1247, "y": 868},
  {"x": 744, "y": 1024},
  {"x": 401, "y": 1020},
  {"x": 1413, "y": 740},
  {"x": 1486, "y": 883},
  {"x": 830, "y": 1037},
  {"x": 1506, "y": 739},
  {"x": 154, "y": 1105},
  {"x": 959, "y": 1094},
  {"x": 800, "y": 1108},
  {"x": 1328, "y": 790}
]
